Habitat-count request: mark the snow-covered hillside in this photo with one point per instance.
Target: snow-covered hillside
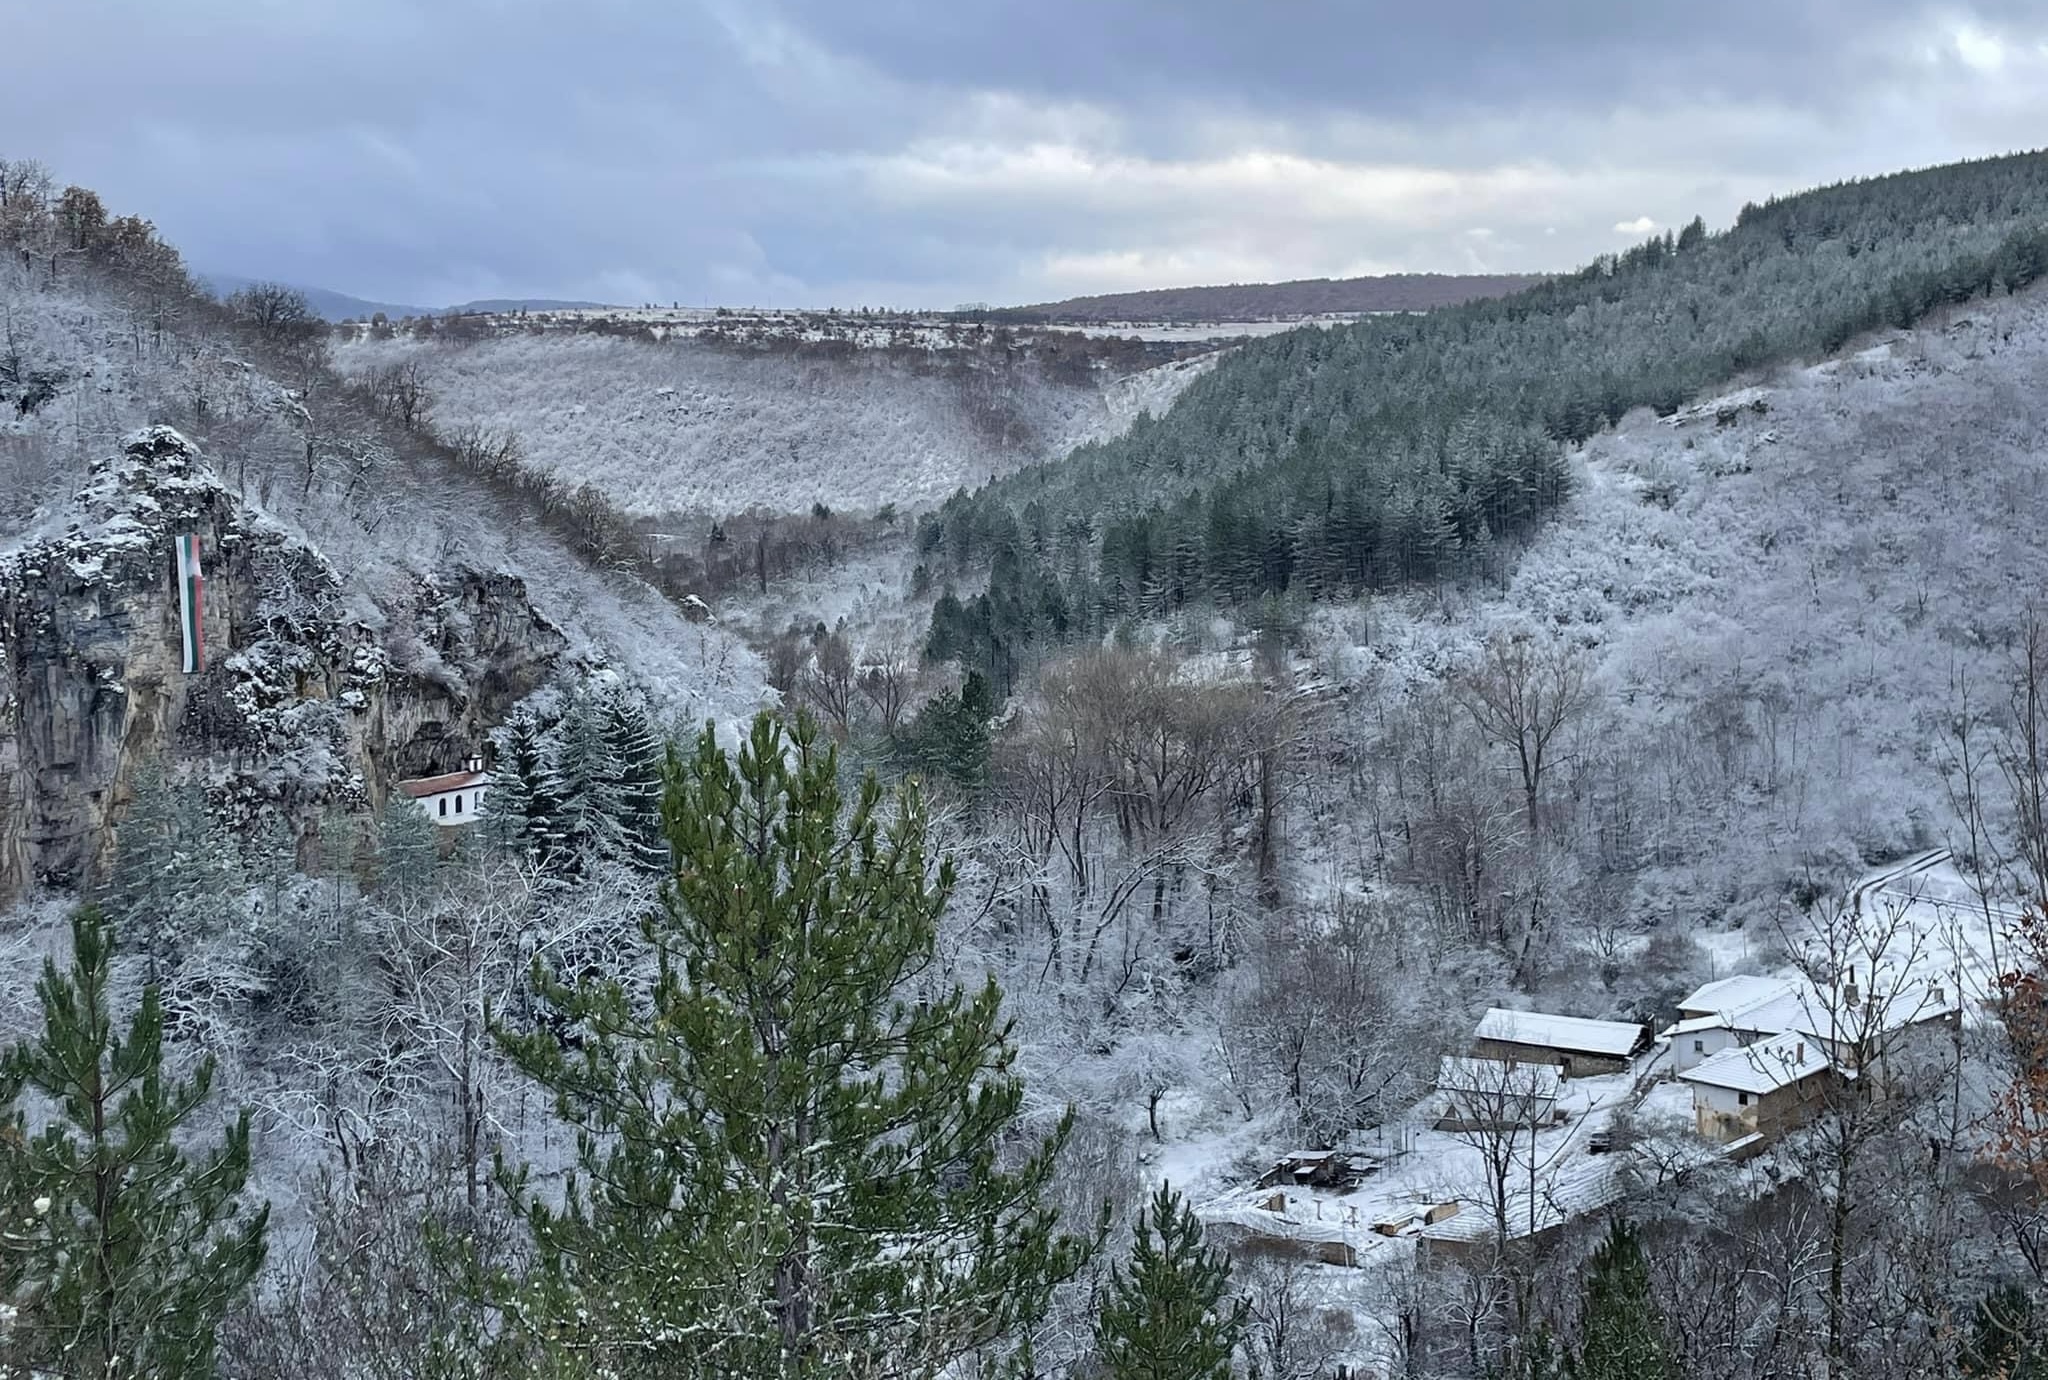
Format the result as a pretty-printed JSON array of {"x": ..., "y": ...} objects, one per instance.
[
  {"x": 1789, "y": 592},
  {"x": 306, "y": 457},
  {"x": 663, "y": 428}
]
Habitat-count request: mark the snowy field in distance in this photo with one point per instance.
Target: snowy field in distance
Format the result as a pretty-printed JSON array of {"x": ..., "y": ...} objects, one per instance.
[{"x": 680, "y": 427}]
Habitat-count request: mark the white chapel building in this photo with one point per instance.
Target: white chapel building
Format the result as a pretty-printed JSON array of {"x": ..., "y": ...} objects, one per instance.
[{"x": 451, "y": 799}]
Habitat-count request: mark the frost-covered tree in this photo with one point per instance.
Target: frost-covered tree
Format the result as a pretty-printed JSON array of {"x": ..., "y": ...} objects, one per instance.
[
  {"x": 141, "y": 886},
  {"x": 174, "y": 886},
  {"x": 408, "y": 848},
  {"x": 1166, "y": 1316},
  {"x": 138, "y": 1245},
  {"x": 585, "y": 769},
  {"x": 795, "y": 1158},
  {"x": 633, "y": 785},
  {"x": 524, "y": 803}
]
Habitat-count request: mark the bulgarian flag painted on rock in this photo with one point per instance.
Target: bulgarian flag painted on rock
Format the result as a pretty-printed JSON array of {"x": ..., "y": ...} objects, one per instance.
[{"x": 191, "y": 605}]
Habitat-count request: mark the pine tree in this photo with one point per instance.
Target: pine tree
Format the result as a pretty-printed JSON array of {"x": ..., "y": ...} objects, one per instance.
[
  {"x": 408, "y": 848},
  {"x": 270, "y": 857},
  {"x": 1621, "y": 1331},
  {"x": 135, "y": 1251},
  {"x": 787, "y": 1167},
  {"x": 1166, "y": 1317},
  {"x": 950, "y": 737},
  {"x": 583, "y": 767},
  {"x": 1541, "y": 1358},
  {"x": 633, "y": 757},
  {"x": 341, "y": 838},
  {"x": 523, "y": 801},
  {"x": 2005, "y": 1341}
]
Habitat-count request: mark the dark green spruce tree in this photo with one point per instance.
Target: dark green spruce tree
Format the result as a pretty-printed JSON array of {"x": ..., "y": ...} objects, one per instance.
[
  {"x": 133, "y": 1249},
  {"x": 633, "y": 756},
  {"x": 798, "y": 1154},
  {"x": 1621, "y": 1330},
  {"x": 950, "y": 737},
  {"x": 408, "y": 849},
  {"x": 583, "y": 773},
  {"x": 523, "y": 804},
  {"x": 1166, "y": 1317}
]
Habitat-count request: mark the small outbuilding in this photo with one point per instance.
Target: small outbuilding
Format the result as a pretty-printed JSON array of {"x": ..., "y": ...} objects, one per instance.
[
  {"x": 1318, "y": 1169},
  {"x": 1575, "y": 1046},
  {"x": 1495, "y": 1094}
]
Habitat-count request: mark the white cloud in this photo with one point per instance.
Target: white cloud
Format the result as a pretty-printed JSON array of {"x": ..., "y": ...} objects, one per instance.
[
  {"x": 1980, "y": 51},
  {"x": 750, "y": 149}
]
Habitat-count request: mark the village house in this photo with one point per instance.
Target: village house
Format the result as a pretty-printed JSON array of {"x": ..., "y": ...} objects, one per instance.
[
  {"x": 1577, "y": 1047},
  {"x": 1765, "y": 1088},
  {"x": 453, "y": 798},
  {"x": 1492, "y": 1094},
  {"x": 1734, "y": 1013}
]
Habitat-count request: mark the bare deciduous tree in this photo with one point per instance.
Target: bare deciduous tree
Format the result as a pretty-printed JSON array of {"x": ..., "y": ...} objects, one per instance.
[
  {"x": 829, "y": 680},
  {"x": 888, "y": 674},
  {"x": 1523, "y": 693},
  {"x": 277, "y": 314}
]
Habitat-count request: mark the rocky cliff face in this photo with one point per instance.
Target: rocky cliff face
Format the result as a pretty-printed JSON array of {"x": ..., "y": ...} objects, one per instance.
[{"x": 297, "y": 704}]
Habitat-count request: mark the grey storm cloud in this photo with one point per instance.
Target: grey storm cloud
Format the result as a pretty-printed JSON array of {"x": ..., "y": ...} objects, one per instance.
[{"x": 827, "y": 151}]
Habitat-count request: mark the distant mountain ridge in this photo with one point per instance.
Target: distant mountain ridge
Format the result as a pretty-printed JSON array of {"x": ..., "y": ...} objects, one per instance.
[
  {"x": 339, "y": 306},
  {"x": 1300, "y": 297}
]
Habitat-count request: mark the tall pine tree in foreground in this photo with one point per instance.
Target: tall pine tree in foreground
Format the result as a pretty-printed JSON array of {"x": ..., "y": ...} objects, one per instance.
[
  {"x": 1621, "y": 1331},
  {"x": 1165, "y": 1317},
  {"x": 132, "y": 1251},
  {"x": 790, "y": 1165}
]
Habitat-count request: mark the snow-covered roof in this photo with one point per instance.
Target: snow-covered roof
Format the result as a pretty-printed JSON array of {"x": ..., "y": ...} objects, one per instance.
[
  {"x": 1763, "y": 1067},
  {"x": 1797, "y": 1006},
  {"x": 440, "y": 785},
  {"x": 1580, "y": 1187},
  {"x": 1497, "y": 1077},
  {"x": 1732, "y": 994},
  {"x": 1615, "y": 1039}
]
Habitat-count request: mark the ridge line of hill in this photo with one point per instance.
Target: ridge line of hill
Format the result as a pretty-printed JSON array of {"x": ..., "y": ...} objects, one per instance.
[{"x": 1293, "y": 298}]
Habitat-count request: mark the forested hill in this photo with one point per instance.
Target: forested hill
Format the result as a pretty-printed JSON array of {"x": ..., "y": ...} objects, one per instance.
[
  {"x": 1301, "y": 297},
  {"x": 1396, "y": 449}
]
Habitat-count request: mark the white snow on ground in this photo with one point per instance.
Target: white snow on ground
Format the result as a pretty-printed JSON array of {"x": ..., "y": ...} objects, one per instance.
[
  {"x": 1924, "y": 917},
  {"x": 1554, "y": 1178},
  {"x": 682, "y": 427}
]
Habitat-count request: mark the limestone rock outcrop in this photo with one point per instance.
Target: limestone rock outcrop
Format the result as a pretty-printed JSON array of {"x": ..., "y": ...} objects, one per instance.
[{"x": 297, "y": 704}]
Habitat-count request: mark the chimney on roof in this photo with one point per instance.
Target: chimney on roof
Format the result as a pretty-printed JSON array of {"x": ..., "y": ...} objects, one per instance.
[
  {"x": 473, "y": 764},
  {"x": 1799, "y": 1054}
]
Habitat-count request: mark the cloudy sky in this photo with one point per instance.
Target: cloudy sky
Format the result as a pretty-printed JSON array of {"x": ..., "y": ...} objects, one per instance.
[{"x": 927, "y": 152}]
